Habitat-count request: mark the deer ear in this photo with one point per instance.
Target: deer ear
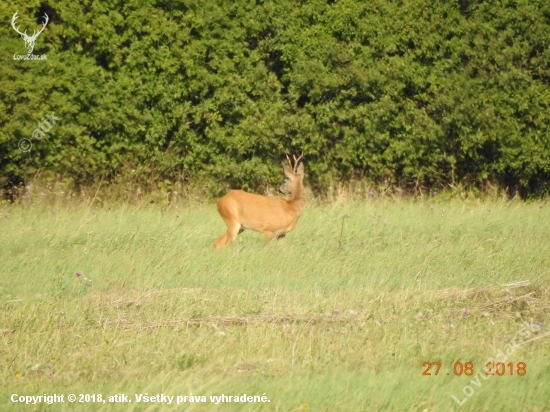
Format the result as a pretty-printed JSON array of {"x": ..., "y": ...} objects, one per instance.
[
  {"x": 288, "y": 172},
  {"x": 300, "y": 170}
]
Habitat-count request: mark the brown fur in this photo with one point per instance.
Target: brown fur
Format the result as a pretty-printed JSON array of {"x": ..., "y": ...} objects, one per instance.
[{"x": 272, "y": 216}]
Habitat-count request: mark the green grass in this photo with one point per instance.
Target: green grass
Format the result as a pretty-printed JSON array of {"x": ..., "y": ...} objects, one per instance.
[{"x": 341, "y": 317}]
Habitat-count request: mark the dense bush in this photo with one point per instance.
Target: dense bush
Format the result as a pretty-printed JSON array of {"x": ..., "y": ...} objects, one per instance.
[{"x": 417, "y": 92}]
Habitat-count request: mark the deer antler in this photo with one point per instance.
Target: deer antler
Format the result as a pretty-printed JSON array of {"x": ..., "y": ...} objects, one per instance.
[
  {"x": 296, "y": 161},
  {"x": 15, "y": 16},
  {"x": 35, "y": 34},
  {"x": 289, "y": 161}
]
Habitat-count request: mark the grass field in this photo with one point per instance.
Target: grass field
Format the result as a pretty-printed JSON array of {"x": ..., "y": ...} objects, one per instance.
[{"x": 341, "y": 317}]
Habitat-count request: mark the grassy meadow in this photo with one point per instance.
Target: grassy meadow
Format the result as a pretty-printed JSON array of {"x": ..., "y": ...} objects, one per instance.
[{"x": 133, "y": 299}]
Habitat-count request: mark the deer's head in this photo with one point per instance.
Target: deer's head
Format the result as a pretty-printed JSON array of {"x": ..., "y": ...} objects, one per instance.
[
  {"x": 29, "y": 40},
  {"x": 294, "y": 175}
]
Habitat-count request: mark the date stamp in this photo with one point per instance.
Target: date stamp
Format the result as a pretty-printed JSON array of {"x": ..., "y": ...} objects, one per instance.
[
  {"x": 497, "y": 365},
  {"x": 467, "y": 368}
]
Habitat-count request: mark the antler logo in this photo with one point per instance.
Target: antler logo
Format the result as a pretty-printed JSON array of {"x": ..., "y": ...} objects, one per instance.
[{"x": 29, "y": 40}]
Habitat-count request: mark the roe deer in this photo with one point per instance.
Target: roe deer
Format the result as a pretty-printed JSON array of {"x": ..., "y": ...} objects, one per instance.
[{"x": 272, "y": 216}]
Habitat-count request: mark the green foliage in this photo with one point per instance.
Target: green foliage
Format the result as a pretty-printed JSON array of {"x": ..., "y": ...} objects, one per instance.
[{"x": 418, "y": 92}]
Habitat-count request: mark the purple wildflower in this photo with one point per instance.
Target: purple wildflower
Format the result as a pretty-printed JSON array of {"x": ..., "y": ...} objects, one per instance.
[
  {"x": 7, "y": 216},
  {"x": 465, "y": 312},
  {"x": 336, "y": 311},
  {"x": 371, "y": 193},
  {"x": 49, "y": 366},
  {"x": 435, "y": 193},
  {"x": 78, "y": 274},
  {"x": 541, "y": 206}
]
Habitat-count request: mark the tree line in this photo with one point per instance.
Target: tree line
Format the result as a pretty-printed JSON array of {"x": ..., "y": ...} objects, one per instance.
[{"x": 418, "y": 92}]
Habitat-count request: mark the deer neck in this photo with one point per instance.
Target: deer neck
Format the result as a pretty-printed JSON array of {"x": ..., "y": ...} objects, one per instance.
[{"x": 298, "y": 199}]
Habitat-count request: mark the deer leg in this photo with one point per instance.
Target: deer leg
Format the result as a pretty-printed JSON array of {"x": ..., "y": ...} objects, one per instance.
[
  {"x": 281, "y": 239},
  {"x": 267, "y": 236},
  {"x": 233, "y": 229},
  {"x": 221, "y": 241}
]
